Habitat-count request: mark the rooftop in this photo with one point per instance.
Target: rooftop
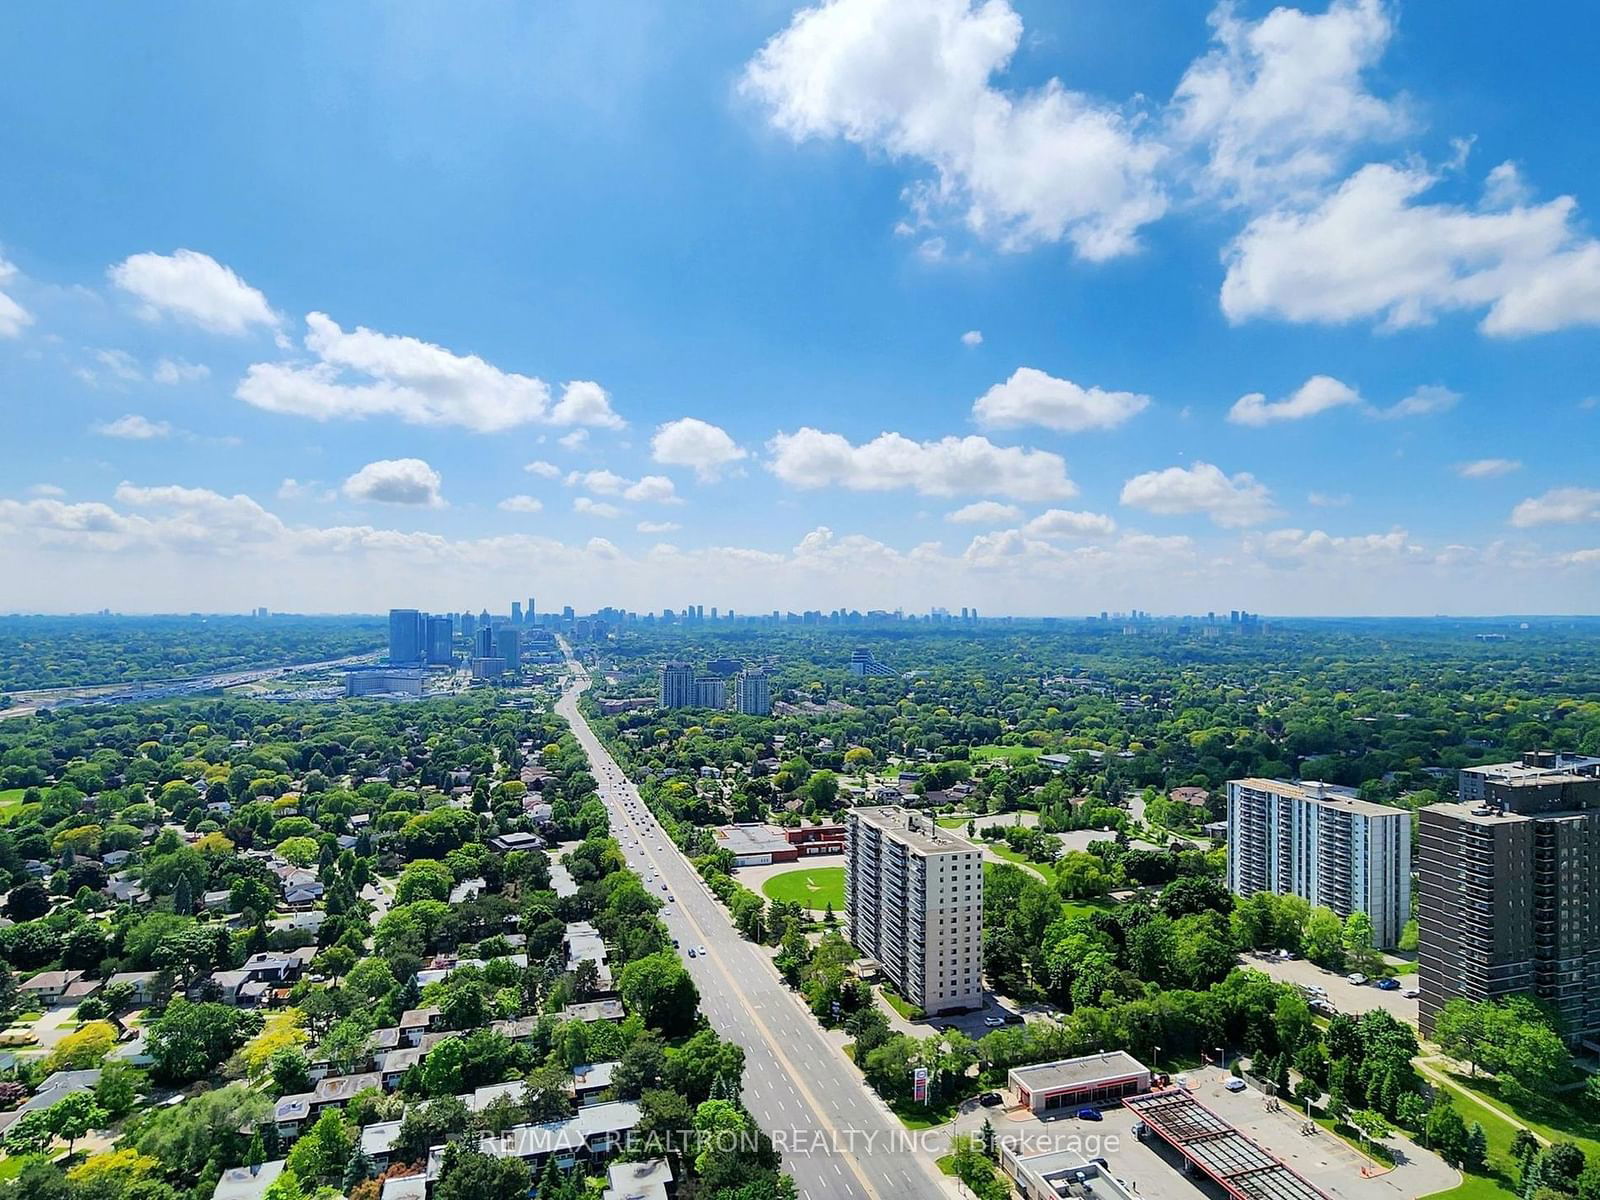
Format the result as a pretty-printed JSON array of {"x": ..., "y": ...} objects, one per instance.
[
  {"x": 912, "y": 829},
  {"x": 1329, "y": 794},
  {"x": 1243, "y": 1169},
  {"x": 753, "y": 838},
  {"x": 1077, "y": 1072}
]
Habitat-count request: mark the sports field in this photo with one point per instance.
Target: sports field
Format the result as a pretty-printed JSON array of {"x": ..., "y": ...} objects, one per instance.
[{"x": 810, "y": 887}]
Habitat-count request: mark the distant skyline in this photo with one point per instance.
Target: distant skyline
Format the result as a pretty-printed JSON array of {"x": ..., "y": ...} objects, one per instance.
[{"x": 1039, "y": 308}]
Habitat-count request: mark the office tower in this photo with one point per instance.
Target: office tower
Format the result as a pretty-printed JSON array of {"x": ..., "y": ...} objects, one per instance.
[
  {"x": 508, "y": 645},
  {"x": 516, "y": 612},
  {"x": 677, "y": 685},
  {"x": 864, "y": 665},
  {"x": 438, "y": 639},
  {"x": 914, "y": 900},
  {"x": 753, "y": 696},
  {"x": 469, "y": 629},
  {"x": 1320, "y": 842},
  {"x": 530, "y": 615},
  {"x": 710, "y": 692},
  {"x": 566, "y": 614},
  {"x": 1509, "y": 883},
  {"x": 407, "y": 636},
  {"x": 485, "y": 643}
]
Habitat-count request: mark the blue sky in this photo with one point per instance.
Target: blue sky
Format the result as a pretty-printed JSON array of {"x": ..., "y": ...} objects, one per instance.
[{"x": 293, "y": 301}]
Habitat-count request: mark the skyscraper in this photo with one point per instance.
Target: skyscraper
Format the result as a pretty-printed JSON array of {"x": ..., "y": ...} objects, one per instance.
[
  {"x": 440, "y": 640},
  {"x": 516, "y": 612},
  {"x": 1322, "y": 843},
  {"x": 1509, "y": 880},
  {"x": 753, "y": 697},
  {"x": 407, "y": 636},
  {"x": 914, "y": 899},
  {"x": 469, "y": 629},
  {"x": 508, "y": 644},
  {"x": 531, "y": 612},
  {"x": 485, "y": 642},
  {"x": 677, "y": 685},
  {"x": 710, "y": 692}
]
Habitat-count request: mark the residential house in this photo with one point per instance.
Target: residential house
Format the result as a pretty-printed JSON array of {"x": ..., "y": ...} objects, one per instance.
[
  {"x": 590, "y": 1135},
  {"x": 48, "y": 988},
  {"x": 648, "y": 1180}
]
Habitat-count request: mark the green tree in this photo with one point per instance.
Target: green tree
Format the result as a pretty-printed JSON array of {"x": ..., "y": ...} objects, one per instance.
[
  {"x": 75, "y": 1115},
  {"x": 658, "y": 989}
]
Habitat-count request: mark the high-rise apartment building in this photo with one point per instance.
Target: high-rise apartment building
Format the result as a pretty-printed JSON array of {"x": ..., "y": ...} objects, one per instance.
[
  {"x": 914, "y": 899},
  {"x": 1509, "y": 890},
  {"x": 710, "y": 692},
  {"x": 677, "y": 685},
  {"x": 1321, "y": 842},
  {"x": 407, "y": 636},
  {"x": 441, "y": 639},
  {"x": 483, "y": 646},
  {"x": 753, "y": 695}
]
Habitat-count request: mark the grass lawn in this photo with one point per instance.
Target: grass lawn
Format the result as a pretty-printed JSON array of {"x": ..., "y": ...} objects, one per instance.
[
  {"x": 920, "y": 1116},
  {"x": 1014, "y": 753},
  {"x": 810, "y": 887},
  {"x": 1083, "y": 908},
  {"x": 946, "y": 1164},
  {"x": 1004, "y": 851},
  {"x": 900, "y": 1004},
  {"x": 1552, "y": 1118},
  {"x": 11, "y": 797},
  {"x": 1474, "y": 1187},
  {"x": 961, "y": 822}
]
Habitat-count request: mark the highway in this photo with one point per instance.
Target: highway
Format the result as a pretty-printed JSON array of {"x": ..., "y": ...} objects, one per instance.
[{"x": 838, "y": 1138}]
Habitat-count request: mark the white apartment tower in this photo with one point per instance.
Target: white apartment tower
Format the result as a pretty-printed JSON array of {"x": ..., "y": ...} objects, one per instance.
[
  {"x": 754, "y": 694},
  {"x": 1321, "y": 842},
  {"x": 914, "y": 899},
  {"x": 677, "y": 685}
]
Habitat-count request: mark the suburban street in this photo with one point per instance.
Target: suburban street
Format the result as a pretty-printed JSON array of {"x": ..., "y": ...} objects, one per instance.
[{"x": 838, "y": 1139}]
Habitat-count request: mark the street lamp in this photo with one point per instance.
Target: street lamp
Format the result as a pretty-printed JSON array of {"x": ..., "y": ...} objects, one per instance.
[{"x": 1222, "y": 1056}]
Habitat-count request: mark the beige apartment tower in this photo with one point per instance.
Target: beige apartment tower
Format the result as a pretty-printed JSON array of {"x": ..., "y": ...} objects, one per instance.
[{"x": 914, "y": 899}]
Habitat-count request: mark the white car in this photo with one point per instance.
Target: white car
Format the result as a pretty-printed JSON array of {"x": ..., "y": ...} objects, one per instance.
[
  {"x": 1235, "y": 1084},
  {"x": 994, "y": 1022},
  {"x": 1356, "y": 978},
  {"x": 1411, "y": 993},
  {"x": 701, "y": 950}
]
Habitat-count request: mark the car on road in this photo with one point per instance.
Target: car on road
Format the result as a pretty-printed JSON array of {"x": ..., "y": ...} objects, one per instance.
[
  {"x": 1235, "y": 1084},
  {"x": 1388, "y": 985},
  {"x": 671, "y": 897},
  {"x": 1089, "y": 1114},
  {"x": 691, "y": 951},
  {"x": 1411, "y": 993},
  {"x": 701, "y": 949},
  {"x": 994, "y": 1022},
  {"x": 1356, "y": 978},
  {"x": 989, "y": 1099}
]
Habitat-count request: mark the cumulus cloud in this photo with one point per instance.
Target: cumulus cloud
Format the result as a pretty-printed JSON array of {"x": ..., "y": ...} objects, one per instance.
[
  {"x": 1201, "y": 488},
  {"x": 1061, "y": 523},
  {"x": 297, "y": 489},
  {"x": 46, "y": 489},
  {"x": 13, "y": 317},
  {"x": 1558, "y": 506},
  {"x": 985, "y": 512},
  {"x": 1030, "y": 397},
  {"x": 1370, "y": 250},
  {"x": 1488, "y": 468},
  {"x": 544, "y": 470},
  {"x": 595, "y": 508},
  {"x": 914, "y": 82},
  {"x": 700, "y": 445},
  {"x": 134, "y": 428},
  {"x": 522, "y": 504},
  {"x": 1300, "y": 544},
  {"x": 1316, "y": 395},
  {"x": 1425, "y": 401},
  {"x": 193, "y": 288},
  {"x": 811, "y": 458},
  {"x": 363, "y": 373},
  {"x": 657, "y": 526},
  {"x": 649, "y": 489},
  {"x": 396, "y": 481},
  {"x": 972, "y": 337},
  {"x": 1278, "y": 104},
  {"x": 574, "y": 440},
  {"x": 176, "y": 370}
]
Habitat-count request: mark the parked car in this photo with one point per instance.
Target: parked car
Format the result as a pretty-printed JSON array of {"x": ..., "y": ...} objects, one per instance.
[
  {"x": 691, "y": 951},
  {"x": 1357, "y": 978},
  {"x": 1411, "y": 993},
  {"x": 994, "y": 1022},
  {"x": 1089, "y": 1114},
  {"x": 1235, "y": 1084},
  {"x": 989, "y": 1099},
  {"x": 1388, "y": 985}
]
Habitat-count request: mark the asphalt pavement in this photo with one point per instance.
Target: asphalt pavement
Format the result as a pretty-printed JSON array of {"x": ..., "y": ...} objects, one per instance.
[{"x": 838, "y": 1138}]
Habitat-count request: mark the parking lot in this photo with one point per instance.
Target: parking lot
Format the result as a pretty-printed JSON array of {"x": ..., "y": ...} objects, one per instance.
[{"x": 1346, "y": 996}]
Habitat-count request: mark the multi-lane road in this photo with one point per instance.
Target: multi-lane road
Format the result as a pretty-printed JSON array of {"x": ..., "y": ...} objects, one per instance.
[{"x": 838, "y": 1139}]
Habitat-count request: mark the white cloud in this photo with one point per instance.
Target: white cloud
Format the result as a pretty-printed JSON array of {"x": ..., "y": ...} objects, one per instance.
[
  {"x": 913, "y": 81},
  {"x": 193, "y": 287},
  {"x": 544, "y": 470},
  {"x": 133, "y": 428},
  {"x": 120, "y": 364},
  {"x": 601, "y": 482},
  {"x": 1200, "y": 488},
  {"x": 585, "y": 403},
  {"x": 1030, "y": 397},
  {"x": 1425, "y": 401},
  {"x": 1280, "y": 103},
  {"x": 1488, "y": 468},
  {"x": 1316, "y": 395},
  {"x": 522, "y": 504},
  {"x": 691, "y": 442},
  {"x": 1059, "y": 522},
  {"x": 13, "y": 317},
  {"x": 296, "y": 489},
  {"x": 1558, "y": 506},
  {"x": 176, "y": 370},
  {"x": 575, "y": 439},
  {"x": 46, "y": 489},
  {"x": 1370, "y": 251},
  {"x": 658, "y": 526},
  {"x": 396, "y": 481},
  {"x": 985, "y": 512},
  {"x": 650, "y": 489},
  {"x": 810, "y": 458},
  {"x": 1582, "y": 558},
  {"x": 1328, "y": 499},
  {"x": 363, "y": 373},
  {"x": 972, "y": 337},
  {"x": 1300, "y": 544},
  {"x": 595, "y": 508}
]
